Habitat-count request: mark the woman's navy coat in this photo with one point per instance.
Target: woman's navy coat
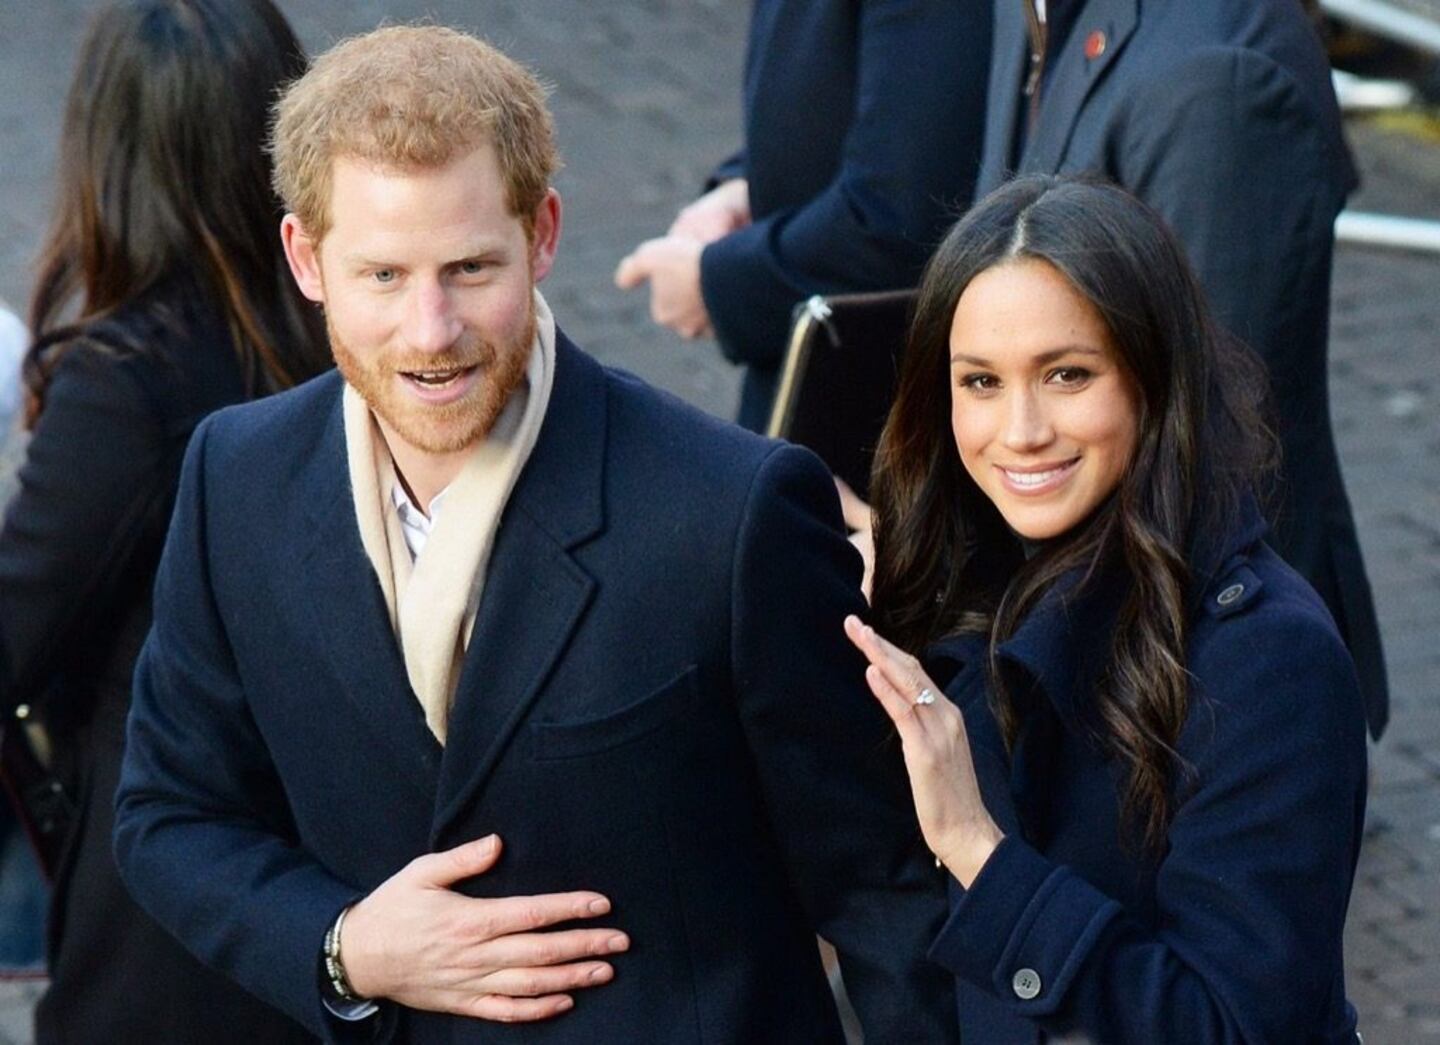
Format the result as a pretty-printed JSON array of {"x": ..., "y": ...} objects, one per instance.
[{"x": 1233, "y": 933}]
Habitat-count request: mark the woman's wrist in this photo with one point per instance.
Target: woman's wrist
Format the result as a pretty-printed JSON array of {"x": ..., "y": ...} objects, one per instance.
[{"x": 970, "y": 851}]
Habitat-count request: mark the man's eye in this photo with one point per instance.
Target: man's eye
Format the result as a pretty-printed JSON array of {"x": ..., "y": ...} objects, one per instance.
[
  {"x": 384, "y": 275},
  {"x": 471, "y": 268}
]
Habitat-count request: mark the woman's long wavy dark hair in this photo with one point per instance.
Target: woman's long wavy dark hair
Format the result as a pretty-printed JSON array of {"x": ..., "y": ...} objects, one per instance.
[
  {"x": 163, "y": 175},
  {"x": 945, "y": 560}
]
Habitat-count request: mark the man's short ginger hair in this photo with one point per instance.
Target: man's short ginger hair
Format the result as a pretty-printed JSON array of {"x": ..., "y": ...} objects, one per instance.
[{"x": 411, "y": 98}]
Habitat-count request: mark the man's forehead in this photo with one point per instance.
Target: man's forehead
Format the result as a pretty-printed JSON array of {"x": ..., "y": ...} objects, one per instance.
[
  {"x": 351, "y": 162},
  {"x": 465, "y": 199}
]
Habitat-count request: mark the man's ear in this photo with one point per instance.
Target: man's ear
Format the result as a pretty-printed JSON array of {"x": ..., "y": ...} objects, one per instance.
[
  {"x": 546, "y": 239},
  {"x": 303, "y": 254}
]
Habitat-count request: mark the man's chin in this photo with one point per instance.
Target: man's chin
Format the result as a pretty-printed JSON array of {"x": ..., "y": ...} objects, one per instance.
[{"x": 438, "y": 435}]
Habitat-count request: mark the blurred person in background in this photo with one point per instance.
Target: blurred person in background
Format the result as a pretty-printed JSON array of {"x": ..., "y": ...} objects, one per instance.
[
  {"x": 862, "y": 139},
  {"x": 22, "y": 890},
  {"x": 14, "y": 339},
  {"x": 161, "y": 295}
]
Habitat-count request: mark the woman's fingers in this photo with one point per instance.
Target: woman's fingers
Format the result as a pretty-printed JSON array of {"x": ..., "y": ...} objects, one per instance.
[
  {"x": 893, "y": 683},
  {"x": 902, "y": 670},
  {"x": 896, "y": 704},
  {"x": 948, "y": 803}
]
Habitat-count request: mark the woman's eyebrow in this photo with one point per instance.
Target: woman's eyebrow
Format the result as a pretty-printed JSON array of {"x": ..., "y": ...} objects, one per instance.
[{"x": 1044, "y": 357}]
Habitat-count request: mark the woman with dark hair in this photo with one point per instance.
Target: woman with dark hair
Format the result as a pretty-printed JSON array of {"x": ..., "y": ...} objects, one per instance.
[
  {"x": 1147, "y": 784},
  {"x": 162, "y": 295}
]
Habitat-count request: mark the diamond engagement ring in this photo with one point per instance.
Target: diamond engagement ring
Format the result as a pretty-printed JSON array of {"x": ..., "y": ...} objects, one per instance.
[{"x": 924, "y": 698}]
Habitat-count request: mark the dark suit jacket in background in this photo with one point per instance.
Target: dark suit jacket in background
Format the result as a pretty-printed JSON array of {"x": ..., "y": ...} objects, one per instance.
[
  {"x": 1220, "y": 114},
  {"x": 862, "y": 138},
  {"x": 77, "y": 561},
  {"x": 658, "y": 702}
]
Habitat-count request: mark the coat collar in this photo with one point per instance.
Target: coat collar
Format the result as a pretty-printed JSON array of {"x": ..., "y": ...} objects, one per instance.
[
  {"x": 534, "y": 592},
  {"x": 1008, "y": 63},
  {"x": 1215, "y": 551},
  {"x": 561, "y": 489},
  {"x": 1074, "y": 73},
  {"x": 1071, "y": 78},
  {"x": 336, "y": 581},
  {"x": 1064, "y": 642}
]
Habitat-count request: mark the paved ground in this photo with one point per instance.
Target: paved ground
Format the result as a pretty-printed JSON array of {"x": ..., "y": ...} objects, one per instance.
[
  {"x": 1386, "y": 396},
  {"x": 646, "y": 96}
]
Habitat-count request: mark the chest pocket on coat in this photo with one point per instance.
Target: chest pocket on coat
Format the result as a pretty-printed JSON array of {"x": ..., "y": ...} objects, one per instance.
[{"x": 591, "y": 736}]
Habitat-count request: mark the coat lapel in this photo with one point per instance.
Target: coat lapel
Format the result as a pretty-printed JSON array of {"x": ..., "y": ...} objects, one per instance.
[
  {"x": 1007, "y": 77},
  {"x": 1074, "y": 77},
  {"x": 339, "y": 587},
  {"x": 535, "y": 592}
]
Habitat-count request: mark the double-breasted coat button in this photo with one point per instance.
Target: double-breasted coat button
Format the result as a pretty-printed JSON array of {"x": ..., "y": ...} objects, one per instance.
[
  {"x": 1230, "y": 594},
  {"x": 1026, "y": 984}
]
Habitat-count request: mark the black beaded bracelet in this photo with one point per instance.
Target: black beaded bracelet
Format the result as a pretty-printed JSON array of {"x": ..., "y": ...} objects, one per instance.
[{"x": 334, "y": 968}]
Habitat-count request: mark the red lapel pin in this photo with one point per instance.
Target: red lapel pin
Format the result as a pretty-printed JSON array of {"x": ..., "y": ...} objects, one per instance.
[{"x": 1094, "y": 45}]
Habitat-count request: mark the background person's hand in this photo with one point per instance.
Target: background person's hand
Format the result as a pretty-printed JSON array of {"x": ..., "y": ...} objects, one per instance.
[
  {"x": 721, "y": 211},
  {"x": 861, "y": 523},
  {"x": 957, "y": 827},
  {"x": 417, "y": 942},
  {"x": 671, "y": 264}
]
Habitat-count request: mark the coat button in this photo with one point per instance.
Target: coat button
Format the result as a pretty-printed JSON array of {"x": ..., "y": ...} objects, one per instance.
[
  {"x": 1026, "y": 983},
  {"x": 1230, "y": 594}
]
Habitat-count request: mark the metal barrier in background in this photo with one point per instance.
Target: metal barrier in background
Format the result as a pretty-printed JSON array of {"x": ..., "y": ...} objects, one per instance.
[
  {"x": 1400, "y": 233},
  {"x": 1406, "y": 27},
  {"x": 1389, "y": 20},
  {"x": 1383, "y": 230}
]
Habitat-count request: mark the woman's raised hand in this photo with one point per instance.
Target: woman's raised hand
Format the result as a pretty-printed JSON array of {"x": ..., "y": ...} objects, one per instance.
[{"x": 957, "y": 827}]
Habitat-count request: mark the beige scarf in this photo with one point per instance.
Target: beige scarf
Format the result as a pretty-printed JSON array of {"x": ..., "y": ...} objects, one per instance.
[{"x": 433, "y": 601}]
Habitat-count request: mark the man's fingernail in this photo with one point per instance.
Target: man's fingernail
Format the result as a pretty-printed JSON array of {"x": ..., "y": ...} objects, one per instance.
[
  {"x": 618, "y": 942},
  {"x": 599, "y": 906},
  {"x": 565, "y": 1004},
  {"x": 487, "y": 844},
  {"x": 599, "y": 974}
]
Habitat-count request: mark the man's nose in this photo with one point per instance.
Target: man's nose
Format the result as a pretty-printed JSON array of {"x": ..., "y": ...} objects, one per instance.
[
  {"x": 432, "y": 324},
  {"x": 1027, "y": 423}
]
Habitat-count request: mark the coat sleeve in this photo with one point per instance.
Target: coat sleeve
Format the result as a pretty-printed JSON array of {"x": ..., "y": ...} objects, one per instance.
[
  {"x": 1250, "y": 894},
  {"x": 92, "y": 501},
  {"x": 908, "y": 168},
  {"x": 727, "y": 170},
  {"x": 204, "y": 836},
  {"x": 828, "y": 761}
]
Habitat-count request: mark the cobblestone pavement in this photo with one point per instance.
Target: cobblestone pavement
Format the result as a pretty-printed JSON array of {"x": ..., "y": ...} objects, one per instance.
[
  {"x": 1385, "y": 392},
  {"x": 646, "y": 97}
]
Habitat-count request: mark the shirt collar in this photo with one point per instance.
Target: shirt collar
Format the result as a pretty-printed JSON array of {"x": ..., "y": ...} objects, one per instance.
[{"x": 416, "y": 525}]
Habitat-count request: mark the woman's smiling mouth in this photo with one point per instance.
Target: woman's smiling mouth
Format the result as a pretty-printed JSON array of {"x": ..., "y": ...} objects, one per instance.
[{"x": 1037, "y": 479}]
